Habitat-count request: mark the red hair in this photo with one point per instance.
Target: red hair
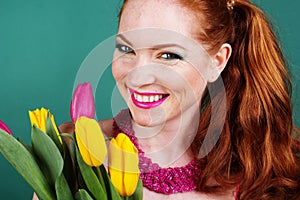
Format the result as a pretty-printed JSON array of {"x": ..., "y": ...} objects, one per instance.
[{"x": 256, "y": 148}]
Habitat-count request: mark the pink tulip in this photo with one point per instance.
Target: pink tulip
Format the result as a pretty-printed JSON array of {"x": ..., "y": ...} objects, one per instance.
[
  {"x": 82, "y": 102},
  {"x": 4, "y": 127}
]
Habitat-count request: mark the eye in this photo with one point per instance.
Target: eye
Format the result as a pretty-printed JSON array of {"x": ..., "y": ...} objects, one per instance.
[
  {"x": 171, "y": 56},
  {"x": 124, "y": 49}
]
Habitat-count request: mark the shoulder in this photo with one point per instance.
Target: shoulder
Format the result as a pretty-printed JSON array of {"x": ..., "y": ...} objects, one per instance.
[
  {"x": 67, "y": 127},
  {"x": 106, "y": 127}
]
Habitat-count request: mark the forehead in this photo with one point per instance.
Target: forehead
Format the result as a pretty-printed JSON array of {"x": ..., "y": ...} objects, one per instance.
[{"x": 164, "y": 14}]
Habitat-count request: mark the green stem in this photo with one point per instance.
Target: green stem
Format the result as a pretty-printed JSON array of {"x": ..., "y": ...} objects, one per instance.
[{"x": 99, "y": 174}]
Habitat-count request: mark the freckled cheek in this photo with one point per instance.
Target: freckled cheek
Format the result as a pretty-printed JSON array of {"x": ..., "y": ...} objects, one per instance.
[
  {"x": 198, "y": 88},
  {"x": 119, "y": 70},
  {"x": 196, "y": 83}
]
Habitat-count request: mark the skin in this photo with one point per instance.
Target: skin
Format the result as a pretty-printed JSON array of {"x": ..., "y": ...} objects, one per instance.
[
  {"x": 142, "y": 61},
  {"x": 163, "y": 60},
  {"x": 145, "y": 61}
]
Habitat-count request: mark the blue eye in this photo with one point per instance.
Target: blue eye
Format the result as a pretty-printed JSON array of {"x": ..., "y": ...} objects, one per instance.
[
  {"x": 124, "y": 49},
  {"x": 171, "y": 56}
]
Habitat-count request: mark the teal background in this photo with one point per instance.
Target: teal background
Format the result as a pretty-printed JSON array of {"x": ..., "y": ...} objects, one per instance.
[{"x": 43, "y": 43}]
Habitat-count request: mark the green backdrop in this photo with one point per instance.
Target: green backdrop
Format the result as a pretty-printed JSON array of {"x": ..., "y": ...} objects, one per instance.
[{"x": 42, "y": 46}]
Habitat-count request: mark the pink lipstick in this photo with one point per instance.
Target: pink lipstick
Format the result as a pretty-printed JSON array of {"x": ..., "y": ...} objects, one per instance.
[{"x": 147, "y": 100}]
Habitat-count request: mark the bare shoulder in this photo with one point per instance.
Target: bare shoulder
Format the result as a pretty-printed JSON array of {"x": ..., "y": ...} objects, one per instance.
[
  {"x": 107, "y": 127},
  {"x": 67, "y": 127}
]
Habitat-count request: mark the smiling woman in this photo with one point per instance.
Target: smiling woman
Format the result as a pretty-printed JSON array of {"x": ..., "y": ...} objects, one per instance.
[{"x": 174, "y": 59}]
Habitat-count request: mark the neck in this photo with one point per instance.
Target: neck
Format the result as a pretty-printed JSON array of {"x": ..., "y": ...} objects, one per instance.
[{"x": 168, "y": 144}]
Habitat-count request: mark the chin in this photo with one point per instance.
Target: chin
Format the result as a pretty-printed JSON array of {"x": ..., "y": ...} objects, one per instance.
[
  {"x": 141, "y": 118},
  {"x": 150, "y": 117}
]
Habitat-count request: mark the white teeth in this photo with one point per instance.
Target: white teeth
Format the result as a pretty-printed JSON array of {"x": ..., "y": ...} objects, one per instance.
[
  {"x": 151, "y": 99},
  {"x": 139, "y": 98},
  {"x": 147, "y": 98}
]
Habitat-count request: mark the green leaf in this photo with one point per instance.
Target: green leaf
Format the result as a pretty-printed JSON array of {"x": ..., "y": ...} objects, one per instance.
[
  {"x": 112, "y": 193},
  {"x": 52, "y": 133},
  {"x": 67, "y": 135},
  {"x": 69, "y": 168},
  {"x": 81, "y": 194},
  {"x": 138, "y": 194},
  {"x": 72, "y": 147},
  {"x": 80, "y": 181},
  {"x": 62, "y": 189},
  {"x": 25, "y": 164},
  {"x": 100, "y": 177},
  {"x": 90, "y": 178},
  {"x": 29, "y": 148},
  {"x": 48, "y": 153}
]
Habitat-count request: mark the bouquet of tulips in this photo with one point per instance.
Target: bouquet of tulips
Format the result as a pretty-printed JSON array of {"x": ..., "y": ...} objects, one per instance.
[{"x": 70, "y": 166}]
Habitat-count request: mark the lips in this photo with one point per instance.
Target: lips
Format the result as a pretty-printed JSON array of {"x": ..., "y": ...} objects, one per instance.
[{"x": 147, "y": 100}]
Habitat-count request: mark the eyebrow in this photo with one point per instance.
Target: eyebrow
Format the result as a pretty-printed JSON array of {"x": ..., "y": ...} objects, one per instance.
[
  {"x": 122, "y": 37},
  {"x": 158, "y": 46}
]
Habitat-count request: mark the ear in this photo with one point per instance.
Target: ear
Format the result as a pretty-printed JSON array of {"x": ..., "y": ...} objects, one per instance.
[{"x": 220, "y": 60}]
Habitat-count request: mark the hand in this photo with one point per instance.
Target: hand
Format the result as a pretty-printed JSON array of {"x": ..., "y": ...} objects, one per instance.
[{"x": 35, "y": 197}]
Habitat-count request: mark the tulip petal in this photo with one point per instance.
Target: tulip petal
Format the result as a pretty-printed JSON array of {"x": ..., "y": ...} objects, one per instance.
[
  {"x": 90, "y": 141},
  {"x": 123, "y": 165},
  {"x": 38, "y": 117},
  {"x": 53, "y": 132},
  {"x": 34, "y": 118},
  {"x": 117, "y": 178},
  {"x": 82, "y": 103},
  {"x": 129, "y": 153},
  {"x": 4, "y": 127},
  {"x": 131, "y": 165},
  {"x": 131, "y": 180},
  {"x": 43, "y": 117},
  {"x": 54, "y": 125},
  {"x": 83, "y": 151},
  {"x": 116, "y": 167}
]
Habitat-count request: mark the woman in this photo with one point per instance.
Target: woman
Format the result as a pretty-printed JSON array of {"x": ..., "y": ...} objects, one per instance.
[
  {"x": 163, "y": 81},
  {"x": 175, "y": 59}
]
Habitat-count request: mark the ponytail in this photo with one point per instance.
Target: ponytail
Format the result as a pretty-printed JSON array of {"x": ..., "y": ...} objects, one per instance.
[
  {"x": 265, "y": 114},
  {"x": 256, "y": 148}
]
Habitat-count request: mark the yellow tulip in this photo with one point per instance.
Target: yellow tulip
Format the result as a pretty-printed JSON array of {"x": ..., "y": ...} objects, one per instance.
[
  {"x": 123, "y": 165},
  {"x": 39, "y": 118},
  {"x": 90, "y": 141}
]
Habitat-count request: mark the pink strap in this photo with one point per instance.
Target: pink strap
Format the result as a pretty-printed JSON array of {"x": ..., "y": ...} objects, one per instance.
[{"x": 236, "y": 192}]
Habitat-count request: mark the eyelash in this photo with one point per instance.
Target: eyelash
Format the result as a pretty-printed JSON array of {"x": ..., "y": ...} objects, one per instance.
[
  {"x": 166, "y": 56},
  {"x": 171, "y": 56},
  {"x": 124, "y": 49}
]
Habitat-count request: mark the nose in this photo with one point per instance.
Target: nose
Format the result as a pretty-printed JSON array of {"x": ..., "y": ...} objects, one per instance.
[{"x": 142, "y": 72}]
